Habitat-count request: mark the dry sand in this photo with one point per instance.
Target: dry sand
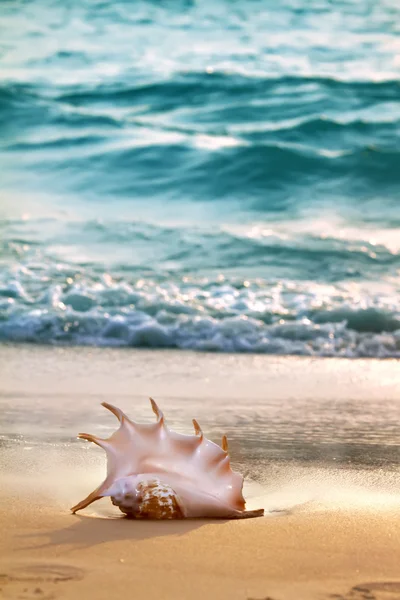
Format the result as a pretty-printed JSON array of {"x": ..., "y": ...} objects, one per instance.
[{"x": 337, "y": 530}]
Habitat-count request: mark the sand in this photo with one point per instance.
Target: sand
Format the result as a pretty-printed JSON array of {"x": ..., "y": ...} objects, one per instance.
[{"x": 319, "y": 440}]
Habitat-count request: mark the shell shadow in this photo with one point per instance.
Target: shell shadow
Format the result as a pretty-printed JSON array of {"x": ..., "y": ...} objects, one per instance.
[{"x": 88, "y": 531}]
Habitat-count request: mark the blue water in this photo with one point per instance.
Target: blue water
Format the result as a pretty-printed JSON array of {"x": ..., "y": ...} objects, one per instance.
[{"x": 208, "y": 175}]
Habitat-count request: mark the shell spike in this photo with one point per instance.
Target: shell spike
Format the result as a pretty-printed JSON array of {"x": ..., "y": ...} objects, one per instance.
[
  {"x": 224, "y": 444},
  {"x": 197, "y": 429},
  {"x": 250, "y": 514},
  {"x": 84, "y": 503},
  {"x": 92, "y": 438},
  {"x": 115, "y": 411},
  {"x": 157, "y": 411}
]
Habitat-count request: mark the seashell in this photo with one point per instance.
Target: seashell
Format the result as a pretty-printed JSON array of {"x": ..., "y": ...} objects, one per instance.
[{"x": 156, "y": 473}]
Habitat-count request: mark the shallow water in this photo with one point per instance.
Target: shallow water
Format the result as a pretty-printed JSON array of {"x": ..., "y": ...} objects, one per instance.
[
  {"x": 273, "y": 409},
  {"x": 211, "y": 176}
]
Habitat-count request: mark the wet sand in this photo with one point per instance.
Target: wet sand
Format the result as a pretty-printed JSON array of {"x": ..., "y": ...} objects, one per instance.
[{"x": 318, "y": 439}]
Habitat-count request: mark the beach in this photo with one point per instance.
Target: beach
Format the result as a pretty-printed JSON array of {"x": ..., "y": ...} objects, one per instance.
[
  {"x": 317, "y": 439},
  {"x": 199, "y": 203}
]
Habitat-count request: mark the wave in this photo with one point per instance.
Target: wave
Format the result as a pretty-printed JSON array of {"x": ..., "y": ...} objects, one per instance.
[
  {"x": 186, "y": 249},
  {"x": 209, "y": 97},
  {"x": 54, "y": 303},
  {"x": 362, "y": 333},
  {"x": 208, "y": 137},
  {"x": 266, "y": 172},
  {"x": 273, "y": 141},
  {"x": 198, "y": 86}
]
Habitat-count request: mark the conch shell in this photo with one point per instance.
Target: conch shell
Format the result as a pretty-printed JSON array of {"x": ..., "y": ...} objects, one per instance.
[{"x": 156, "y": 473}]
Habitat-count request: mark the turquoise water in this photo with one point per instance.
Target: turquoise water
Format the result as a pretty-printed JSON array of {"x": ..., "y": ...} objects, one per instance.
[{"x": 216, "y": 176}]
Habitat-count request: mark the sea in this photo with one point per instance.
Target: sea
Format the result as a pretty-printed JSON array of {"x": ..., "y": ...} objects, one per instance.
[{"x": 202, "y": 175}]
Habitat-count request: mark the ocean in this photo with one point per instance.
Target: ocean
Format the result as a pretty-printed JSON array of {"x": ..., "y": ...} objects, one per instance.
[{"x": 216, "y": 176}]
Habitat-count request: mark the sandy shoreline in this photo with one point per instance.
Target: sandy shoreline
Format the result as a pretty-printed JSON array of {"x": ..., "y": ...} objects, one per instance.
[
  {"x": 298, "y": 556},
  {"x": 319, "y": 439}
]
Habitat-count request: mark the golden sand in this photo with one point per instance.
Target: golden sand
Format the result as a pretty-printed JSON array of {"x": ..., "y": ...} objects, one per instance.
[{"x": 304, "y": 556}]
